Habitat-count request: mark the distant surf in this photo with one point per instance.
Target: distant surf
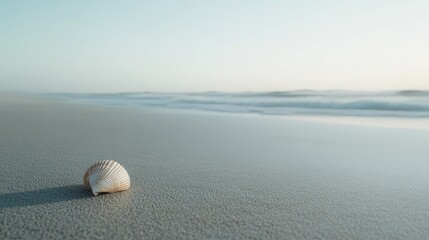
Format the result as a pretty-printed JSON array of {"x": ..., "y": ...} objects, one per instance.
[{"x": 409, "y": 103}]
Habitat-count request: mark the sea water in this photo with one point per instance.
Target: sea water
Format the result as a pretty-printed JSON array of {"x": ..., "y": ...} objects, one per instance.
[{"x": 409, "y": 103}]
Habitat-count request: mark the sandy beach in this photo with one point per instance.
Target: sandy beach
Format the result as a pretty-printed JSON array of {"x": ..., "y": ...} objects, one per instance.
[{"x": 199, "y": 175}]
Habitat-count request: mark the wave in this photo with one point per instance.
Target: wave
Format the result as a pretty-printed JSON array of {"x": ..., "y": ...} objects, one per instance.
[{"x": 407, "y": 103}]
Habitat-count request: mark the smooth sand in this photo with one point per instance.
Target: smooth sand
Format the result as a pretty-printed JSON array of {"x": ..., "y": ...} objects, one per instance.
[{"x": 205, "y": 175}]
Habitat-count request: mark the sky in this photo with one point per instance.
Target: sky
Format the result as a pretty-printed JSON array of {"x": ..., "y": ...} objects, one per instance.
[{"x": 222, "y": 45}]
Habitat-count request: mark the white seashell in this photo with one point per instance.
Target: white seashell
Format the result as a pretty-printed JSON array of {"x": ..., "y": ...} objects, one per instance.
[{"x": 106, "y": 176}]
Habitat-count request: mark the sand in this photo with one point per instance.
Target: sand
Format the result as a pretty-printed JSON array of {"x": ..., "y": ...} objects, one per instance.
[{"x": 207, "y": 175}]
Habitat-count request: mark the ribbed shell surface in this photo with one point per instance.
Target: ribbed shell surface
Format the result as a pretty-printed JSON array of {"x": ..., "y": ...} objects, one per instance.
[{"x": 106, "y": 176}]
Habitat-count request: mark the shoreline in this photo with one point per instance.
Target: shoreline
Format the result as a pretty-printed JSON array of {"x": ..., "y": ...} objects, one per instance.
[{"x": 421, "y": 123}]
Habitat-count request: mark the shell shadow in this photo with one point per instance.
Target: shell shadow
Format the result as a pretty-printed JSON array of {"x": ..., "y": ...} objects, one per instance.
[{"x": 43, "y": 196}]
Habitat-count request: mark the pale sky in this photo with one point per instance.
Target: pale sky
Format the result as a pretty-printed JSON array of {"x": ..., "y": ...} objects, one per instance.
[{"x": 219, "y": 45}]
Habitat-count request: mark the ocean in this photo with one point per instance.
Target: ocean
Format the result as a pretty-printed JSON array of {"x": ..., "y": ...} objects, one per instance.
[{"x": 408, "y": 103}]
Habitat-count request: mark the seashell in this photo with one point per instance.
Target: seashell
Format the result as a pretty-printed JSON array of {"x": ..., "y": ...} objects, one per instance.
[{"x": 106, "y": 176}]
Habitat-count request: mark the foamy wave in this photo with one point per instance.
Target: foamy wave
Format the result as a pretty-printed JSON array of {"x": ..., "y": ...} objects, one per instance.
[{"x": 408, "y": 103}]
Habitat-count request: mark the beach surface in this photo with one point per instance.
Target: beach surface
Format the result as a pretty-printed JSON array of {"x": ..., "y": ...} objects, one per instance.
[{"x": 198, "y": 175}]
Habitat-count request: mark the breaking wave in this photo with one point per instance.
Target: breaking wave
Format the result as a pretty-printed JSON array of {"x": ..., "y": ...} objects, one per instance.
[{"x": 407, "y": 103}]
